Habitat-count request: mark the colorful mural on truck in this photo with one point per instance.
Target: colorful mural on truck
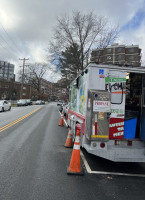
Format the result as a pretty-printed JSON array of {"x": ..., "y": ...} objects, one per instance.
[
  {"x": 78, "y": 104},
  {"x": 82, "y": 99},
  {"x": 73, "y": 101}
]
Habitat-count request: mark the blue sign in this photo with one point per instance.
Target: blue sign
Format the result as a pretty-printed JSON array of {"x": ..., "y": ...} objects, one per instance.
[{"x": 101, "y": 71}]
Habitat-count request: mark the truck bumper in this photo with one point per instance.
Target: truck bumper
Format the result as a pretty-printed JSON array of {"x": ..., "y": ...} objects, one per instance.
[{"x": 118, "y": 153}]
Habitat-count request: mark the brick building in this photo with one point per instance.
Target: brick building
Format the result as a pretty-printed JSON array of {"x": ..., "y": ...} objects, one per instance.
[
  {"x": 118, "y": 54},
  {"x": 12, "y": 90},
  {"x": 46, "y": 87}
]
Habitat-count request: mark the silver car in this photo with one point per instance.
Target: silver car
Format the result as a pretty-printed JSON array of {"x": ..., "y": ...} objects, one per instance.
[
  {"x": 22, "y": 102},
  {"x": 5, "y": 105}
]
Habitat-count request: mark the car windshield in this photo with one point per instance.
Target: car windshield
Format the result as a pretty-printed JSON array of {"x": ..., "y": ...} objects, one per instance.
[{"x": 1, "y": 102}]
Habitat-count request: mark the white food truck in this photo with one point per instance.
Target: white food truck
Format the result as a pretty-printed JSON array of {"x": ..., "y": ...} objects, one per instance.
[{"x": 109, "y": 103}]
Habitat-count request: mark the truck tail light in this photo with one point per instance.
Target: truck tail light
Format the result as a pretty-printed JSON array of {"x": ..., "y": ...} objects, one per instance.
[{"x": 102, "y": 145}]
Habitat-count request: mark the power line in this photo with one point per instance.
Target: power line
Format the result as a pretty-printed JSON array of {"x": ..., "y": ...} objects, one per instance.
[
  {"x": 6, "y": 42},
  {"x": 11, "y": 39},
  {"x": 7, "y": 49}
]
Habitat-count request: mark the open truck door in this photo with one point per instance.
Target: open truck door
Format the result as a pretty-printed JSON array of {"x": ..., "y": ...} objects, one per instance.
[{"x": 98, "y": 115}]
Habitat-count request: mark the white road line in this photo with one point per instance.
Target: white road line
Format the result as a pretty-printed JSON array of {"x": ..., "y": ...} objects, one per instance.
[
  {"x": 85, "y": 163},
  {"x": 102, "y": 172},
  {"x": 106, "y": 173},
  {"x": 65, "y": 122}
]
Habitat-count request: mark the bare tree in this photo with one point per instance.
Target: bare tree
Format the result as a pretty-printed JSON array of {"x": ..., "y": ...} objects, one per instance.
[
  {"x": 37, "y": 72},
  {"x": 85, "y": 30},
  {"x": 33, "y": 75}
]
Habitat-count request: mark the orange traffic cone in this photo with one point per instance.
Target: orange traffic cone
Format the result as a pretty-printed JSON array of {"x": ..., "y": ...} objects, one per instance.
[
  {"x": 75, "y": 163},
  {"x": 61, "y": 120},
  {"x": 69, "y": 142}
]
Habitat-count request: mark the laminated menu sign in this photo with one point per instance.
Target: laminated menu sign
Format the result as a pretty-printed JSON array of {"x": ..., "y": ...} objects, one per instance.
[{"x": 101, "y": 106}]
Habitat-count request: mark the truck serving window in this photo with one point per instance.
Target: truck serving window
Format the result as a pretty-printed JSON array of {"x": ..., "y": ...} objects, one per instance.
[{"x": 116, "y": 93}]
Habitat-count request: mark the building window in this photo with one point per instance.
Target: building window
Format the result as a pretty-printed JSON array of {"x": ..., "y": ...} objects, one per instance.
[
  {"x": 131, "y": 57},
  {"x": 118, "y": 57},
  {"x": 109, "y": 50},
  {"x": 24, "y": 94},
  {"x": 24, "y": 88},
  {"x": 63, "y": 91},
  {"x": 119, "y": 49},
  {"x": 11, "y": 70},
  {"x": 108, "y": 57},
  {"x": 98, "y": 53},
  {"x": 131, "y": 50}
]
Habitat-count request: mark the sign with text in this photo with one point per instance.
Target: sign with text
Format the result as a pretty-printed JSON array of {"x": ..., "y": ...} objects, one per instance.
[
  {"x": 101, "y": 106},
  {"x": 116, "y": 128}
]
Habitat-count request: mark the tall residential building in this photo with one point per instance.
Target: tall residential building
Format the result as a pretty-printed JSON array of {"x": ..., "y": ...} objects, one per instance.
[
  {"x": 6, "y": 71},
  {"x": 118, "y": 54}
]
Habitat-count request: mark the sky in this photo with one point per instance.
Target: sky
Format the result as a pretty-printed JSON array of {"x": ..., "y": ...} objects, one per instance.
[{"x": 26, "y": 27}]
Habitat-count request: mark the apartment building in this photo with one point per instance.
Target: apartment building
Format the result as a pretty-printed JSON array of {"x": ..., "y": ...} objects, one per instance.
[
  {"x": 118, "y": 54},
  {"x": 12, "y": 90},
  {"x": 46, "y": 87},
  {"x": 6, "y": 71}
]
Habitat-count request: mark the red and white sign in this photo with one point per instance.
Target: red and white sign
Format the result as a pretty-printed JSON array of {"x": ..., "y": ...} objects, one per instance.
[
  {"x": 116, "y": 128},
  {"x": 101, "y": 106}
]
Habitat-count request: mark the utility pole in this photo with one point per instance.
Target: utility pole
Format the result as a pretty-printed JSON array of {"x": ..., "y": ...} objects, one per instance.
[{"x": 21, "y": 92}]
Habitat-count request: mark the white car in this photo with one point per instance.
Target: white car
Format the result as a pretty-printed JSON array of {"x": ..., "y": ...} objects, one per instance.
[
  {"x": 4, "y": 105},
  {"x": 38, "y": 102},
  {"x": 22, "y": 102}
]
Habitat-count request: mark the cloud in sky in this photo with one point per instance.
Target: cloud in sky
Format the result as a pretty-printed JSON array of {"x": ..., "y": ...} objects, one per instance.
[{"x": 26, "y": 26}]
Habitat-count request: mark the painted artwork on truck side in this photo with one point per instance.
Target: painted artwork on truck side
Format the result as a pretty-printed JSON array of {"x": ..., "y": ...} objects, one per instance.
[
  {"x": 82, "y": 98},
  {"x": 73, "y": 100}
]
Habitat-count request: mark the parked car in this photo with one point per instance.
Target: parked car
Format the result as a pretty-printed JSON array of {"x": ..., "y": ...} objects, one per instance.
[
  {"x": 5, "y": 105},
  {"x": 22, "y": 102},
  {"x": 59, "y": 103},
  {"x": 39, "y": 102},
  {"x": 43, "y": 102},
  {"x": 29, "y": 102}
]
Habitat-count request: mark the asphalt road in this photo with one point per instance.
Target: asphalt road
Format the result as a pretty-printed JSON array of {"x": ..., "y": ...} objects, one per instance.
[{"x": 33, "y": 163}]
